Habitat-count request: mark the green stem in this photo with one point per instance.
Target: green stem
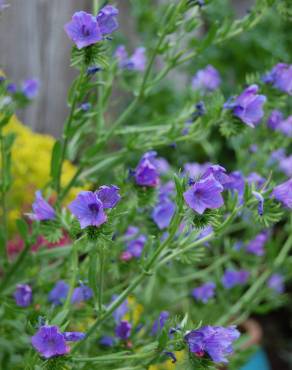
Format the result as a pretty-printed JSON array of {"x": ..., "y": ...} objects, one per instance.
[
  {"x": 146, "y": 272},
  {"x": 74, "y": 271},
  {"x": 65, "y": 136},
  {"x": 184, "y": 250},
  {"x": 101, "y": 277},
  {"x": 15, "y": 267},
  {"x": 95, "y": 7}
]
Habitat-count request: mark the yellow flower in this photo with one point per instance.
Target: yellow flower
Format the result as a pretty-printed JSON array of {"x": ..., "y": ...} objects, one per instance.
[
  {"x": 135, "y": 311},
  {"x": 30, "y": 167}
]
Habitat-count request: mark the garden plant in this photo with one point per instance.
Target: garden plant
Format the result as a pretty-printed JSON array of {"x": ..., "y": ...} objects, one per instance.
[{"x": 160, "y": 221}]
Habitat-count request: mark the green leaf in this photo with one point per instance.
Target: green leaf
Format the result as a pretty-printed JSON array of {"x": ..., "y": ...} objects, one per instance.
[
  {"x": 22, "y": 227},
  {"x": 56, "y": 158}
]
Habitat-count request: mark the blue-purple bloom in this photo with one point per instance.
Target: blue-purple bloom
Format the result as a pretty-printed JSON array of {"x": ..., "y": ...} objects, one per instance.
[
  {"x": 81, "y": 294},
  {"x": 107, "y": 341},
  {"x": 256, "y": 245},
  {"x": 146, "y": 173},
  {"x": 30, "y": 88},
  {"x": 85, "y": 107},
  {"x": 283, "y": 193},
  {"x": 135, "y": 246},
  {"x": 280, "y": 77},
  {"x": 23, "y": 295},
  {"x": 207, "y": 79},
  {"x": 204, "y": 292},
  {"x": 73, "y": 336},
  {"x": 236, "y": 183},
  {"x": 3, "y": 6},
  {"x": 232, "y": 278},
  {"x": 285, "y": 165},
  {"x": 42, "y": 211},
  {"x": 88, "y": 209},
  {"x": 83, "y": 29},
  {"x": 277, "y": 122},
  {"x": 58, "y": 294},
  {"x": 107, "y": 19},
  {"x": 160, "y": 322},
  {"x": 50, "y": 342},
  {"x": 248, "y": 106},
  {"x": 276, "y": 283},
  {"x": 255, "y": 178},
  {"x": 204, "y": 194},
  {"x": 215, "y": 341},
  {"x": 195, "y": 170},
  {"x": 136, "y": 62},
  {"x": 163, "y": 212},
  {"x": 218, "y": 172},
  {"x": 109, "y": 195},
  {"x": 123, "y": 330}
]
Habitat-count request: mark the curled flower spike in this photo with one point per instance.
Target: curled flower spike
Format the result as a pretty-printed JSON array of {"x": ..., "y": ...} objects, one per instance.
[{"x": 261, "y": 200}]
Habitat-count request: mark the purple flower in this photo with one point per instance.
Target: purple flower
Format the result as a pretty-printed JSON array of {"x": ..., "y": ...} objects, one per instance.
[
  {"x": 107, "y": 19},
  {"x": 280, "y": 77},
  {"x": 256, "y": 245},
  {"x": 277, "y": 155},
  {"x": 248, "y": 106},
  {"x": 276, "y": 283},
  {"x": 286, "y": 127},
  {"x": 207, "y": 79},
  {"x": 166, "y": 190},
  {"x": 73, "y": 336},
  {"x": 88, "y": 209},
  {"x": 81, "y": 294},
  {"x": 109, "y": 195},
  {"x": 275, "y": 118},
  {"x": 163, "y": 212},
  {"x": 3, "y": 6},
  {"x": 255, "y": 178},
  {"x": 107, "y": 341},
  {"x": 11, "y": 88},
  {"x": 283, "y": 193},
  {"x": 204, "y": 292},
  {"x": 58, "y": 294},
  {"x": 23, "y": 295},
  {"x": 195, "y": 170},
  {"x": 50, "y": 342},
  {"x": 85, "y": 107},
  {"x": 216, "y": 341},
  {"x": 92, "y": 70},
  {"x": 162, "y": 165},
  {"x": 41, "y": 208},
  {"x": 121, "y": 311},
  {"x": 131, "y": 231},
  {"x": 232, "y": 278},
  {"x": 146, "y": 173},
  {"x": 160, "y": 322},
  {"x": 285, "y": 165},
  {"x": 218, "y": 172},
  {"x": 30, "y": 88},
  {"x": 135, "y": 246},
  {"x": 236, "y": 183},
  {"x": 136, "y": 62},
  {"x": 123, "y": 330},
  {"x": 204, "y": 194},
  {"x": 83, "y": 29}
]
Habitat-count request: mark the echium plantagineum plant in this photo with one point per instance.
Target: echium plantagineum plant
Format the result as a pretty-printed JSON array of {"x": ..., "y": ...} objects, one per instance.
[{"x": 170, "y": 246}]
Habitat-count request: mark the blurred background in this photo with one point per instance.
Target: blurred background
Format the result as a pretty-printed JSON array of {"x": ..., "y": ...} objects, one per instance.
[{"x": 37, "y": 46}]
